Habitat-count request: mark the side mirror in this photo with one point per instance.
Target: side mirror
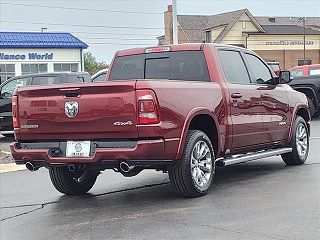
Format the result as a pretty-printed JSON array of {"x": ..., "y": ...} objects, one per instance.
[{"x": 285, "y": 77}]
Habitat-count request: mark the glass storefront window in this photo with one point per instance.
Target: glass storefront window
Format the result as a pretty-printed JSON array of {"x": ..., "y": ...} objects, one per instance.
[
  {"x": 65, "y": 67},
  {"x": 57, "y": 67},
  {"x": 6, "y": 71},
  {"x": 74, "y": 67},
  {"x": 34, "y": 68},
  {"x": 43, "y": 68},
  {"x": 306, "y": 62},
  {"x": 10, "y": 68}
]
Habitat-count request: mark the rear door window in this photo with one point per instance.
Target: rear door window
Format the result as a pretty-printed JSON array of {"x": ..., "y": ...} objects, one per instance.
[{"x": 182, "y": 65}]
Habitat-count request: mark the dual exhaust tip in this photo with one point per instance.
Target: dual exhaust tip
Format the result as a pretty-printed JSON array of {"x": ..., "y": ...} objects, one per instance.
[
  {"x": 125, "y": 167},
  {"x": 31, "y": 167}
]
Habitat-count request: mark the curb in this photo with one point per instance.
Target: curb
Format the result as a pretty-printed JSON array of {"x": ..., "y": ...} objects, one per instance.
[{"x": 11, "y": 167}]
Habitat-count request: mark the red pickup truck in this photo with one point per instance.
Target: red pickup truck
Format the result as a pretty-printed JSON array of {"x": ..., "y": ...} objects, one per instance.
[
  {"x": 182, "y": 109},
  {"x": 305, "y": 70}
]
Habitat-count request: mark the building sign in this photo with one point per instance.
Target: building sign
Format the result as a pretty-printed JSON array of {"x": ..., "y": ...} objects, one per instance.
[
  {"x": 29, "y": 56},
  {"x": 286, "y": 42}
]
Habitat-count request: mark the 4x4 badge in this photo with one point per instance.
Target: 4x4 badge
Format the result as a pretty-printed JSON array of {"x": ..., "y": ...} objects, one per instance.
[
  {"x": 282, "y": 123},
  {"x": 71, "y": 109},
  {"x": 123, "y": 123}
]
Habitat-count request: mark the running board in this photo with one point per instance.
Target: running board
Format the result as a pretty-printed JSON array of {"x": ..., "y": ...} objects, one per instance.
[{"x": 251, "y": 156}]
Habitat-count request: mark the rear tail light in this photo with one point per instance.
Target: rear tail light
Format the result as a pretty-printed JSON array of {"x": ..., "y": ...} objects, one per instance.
[
  {"x": 147, "y": 107},
  {"x": 15, "y": 112}
]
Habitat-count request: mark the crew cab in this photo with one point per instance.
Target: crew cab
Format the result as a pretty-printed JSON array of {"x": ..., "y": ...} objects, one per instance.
[
  {"x": 182, "y": 109},
  {"x": 7, "y": 88}
]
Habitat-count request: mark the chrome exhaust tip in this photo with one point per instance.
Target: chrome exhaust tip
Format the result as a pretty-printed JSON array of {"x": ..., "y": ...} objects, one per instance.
[
  {"x": 31, "y": 167},
  {"x": 125, "y": 167}
]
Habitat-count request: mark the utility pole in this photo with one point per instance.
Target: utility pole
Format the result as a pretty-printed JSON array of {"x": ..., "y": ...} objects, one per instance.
[
  {"x": 174, "y": 22},
  {"x": 304, "y": 38}
]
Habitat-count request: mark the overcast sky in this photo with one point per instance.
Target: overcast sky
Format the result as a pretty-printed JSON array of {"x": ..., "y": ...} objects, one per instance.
[{"x": 120, "y": 26}]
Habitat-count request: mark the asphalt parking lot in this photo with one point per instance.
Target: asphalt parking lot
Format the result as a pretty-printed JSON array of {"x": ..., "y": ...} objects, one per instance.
[{"x": 263, "y": 199}]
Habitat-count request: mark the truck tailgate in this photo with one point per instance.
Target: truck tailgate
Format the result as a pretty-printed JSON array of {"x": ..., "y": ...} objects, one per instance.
[{"x": 87, "y": 111}]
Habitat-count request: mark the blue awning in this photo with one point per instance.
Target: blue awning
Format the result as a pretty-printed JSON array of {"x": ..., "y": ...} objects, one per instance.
[{"x": 39, "y": 40}]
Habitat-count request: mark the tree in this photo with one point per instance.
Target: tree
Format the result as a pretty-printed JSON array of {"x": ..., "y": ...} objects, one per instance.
[{"x": 91, "y": 65}]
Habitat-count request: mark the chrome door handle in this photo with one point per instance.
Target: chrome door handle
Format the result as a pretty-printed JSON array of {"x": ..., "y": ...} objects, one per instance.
[{"x": 236, "y": 95}]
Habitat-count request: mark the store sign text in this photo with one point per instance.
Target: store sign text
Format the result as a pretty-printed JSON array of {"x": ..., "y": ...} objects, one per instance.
[
  {"x": 286, "y": 42},
  {"x": 29, "y": 56}
]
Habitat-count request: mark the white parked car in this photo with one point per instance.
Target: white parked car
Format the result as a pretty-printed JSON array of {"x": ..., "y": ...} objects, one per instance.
[{"x": 100, "y": 76}]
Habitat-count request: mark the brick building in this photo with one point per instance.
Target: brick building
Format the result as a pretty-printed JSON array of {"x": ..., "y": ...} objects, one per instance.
[{"x": 277, "y": 39}]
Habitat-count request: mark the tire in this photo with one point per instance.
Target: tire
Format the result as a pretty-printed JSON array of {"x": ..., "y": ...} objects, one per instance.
[
  {"x": 299, "y": 143},
  {"x": 312, "y": 107},
  {"x": 193, "y": 175},
  {"x": 72, "y": 183}
]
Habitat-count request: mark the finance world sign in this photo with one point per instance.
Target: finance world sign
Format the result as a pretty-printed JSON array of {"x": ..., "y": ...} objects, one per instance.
[{"x": 29, "y": 56}]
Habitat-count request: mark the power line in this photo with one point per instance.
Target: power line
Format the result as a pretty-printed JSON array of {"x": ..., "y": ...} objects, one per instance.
[
  {"x": 120, "y": 34},
  {"x": 96, "y": 33},
  {"x": 106, "y": 38},
  {"x": 78, "y": 9},
  {"x": 122, "y": 44},
  {"x": 96, "y": 26},
  {"x": 81, "y": 25}
]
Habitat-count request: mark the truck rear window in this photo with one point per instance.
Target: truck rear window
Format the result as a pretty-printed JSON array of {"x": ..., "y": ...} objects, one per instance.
[{"x": 183, "y": 65}]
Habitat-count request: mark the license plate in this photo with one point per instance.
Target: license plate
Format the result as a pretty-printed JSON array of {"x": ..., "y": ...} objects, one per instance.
[{"x": 78, "y": 149}]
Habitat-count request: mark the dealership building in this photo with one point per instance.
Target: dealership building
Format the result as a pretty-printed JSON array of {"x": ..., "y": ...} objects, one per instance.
[
  {"x": 36, "y": 52},
  {"x": 278, "y": 39}
]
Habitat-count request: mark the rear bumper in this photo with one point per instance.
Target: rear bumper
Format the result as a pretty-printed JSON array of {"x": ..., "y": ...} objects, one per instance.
[{"x": 101, "y": 152}]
